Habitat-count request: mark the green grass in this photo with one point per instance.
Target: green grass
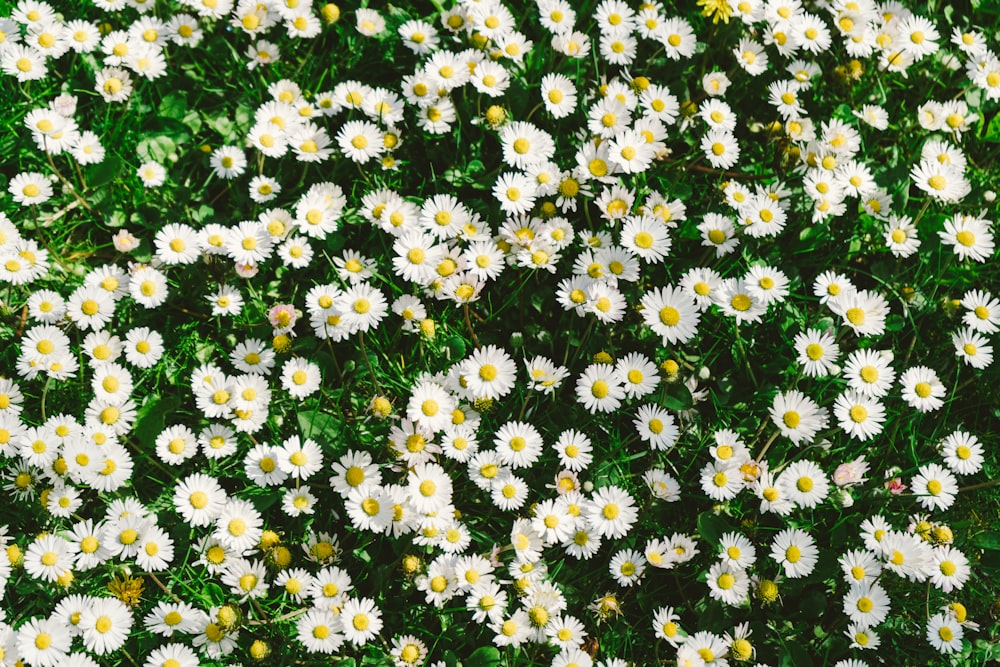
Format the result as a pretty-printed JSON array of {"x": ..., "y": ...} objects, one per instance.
[{"x": 724, "y": 377}]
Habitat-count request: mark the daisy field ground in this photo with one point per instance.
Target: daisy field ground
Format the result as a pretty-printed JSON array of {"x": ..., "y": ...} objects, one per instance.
[{"x": 554, "y": 333}]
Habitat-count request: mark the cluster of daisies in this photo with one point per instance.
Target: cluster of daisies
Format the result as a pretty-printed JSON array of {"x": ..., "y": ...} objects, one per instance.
[{"x": 579, "y": 210}]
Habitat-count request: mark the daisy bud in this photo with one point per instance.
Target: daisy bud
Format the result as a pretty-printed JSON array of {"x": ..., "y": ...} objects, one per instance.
[
  {"x": 281, "y": 343},
  {"x": 280, "y": 557},
  {"x": 229, "y": 617},
  {"x": 603, "y": 358},
  {"x": 410, "y": 564},
  {"x": 843, "y": 498},
  {"x": 15, "y": 555},
  {"x": 381, "y": 407},
  {"x": 496, "y": 115},
  {"x": 268, "y": 540},
  {"x": 767, "y": 591},
  {"x": 330, "y": 13},
  {"x": 942, "y": 535},
  {"x": 427, "y": 327},
  {"x": 259, "y": 650}
]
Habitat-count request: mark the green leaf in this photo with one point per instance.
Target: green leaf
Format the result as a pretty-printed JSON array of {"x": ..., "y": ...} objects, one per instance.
[
  {"x": 104, "y": 172},
  {"x": 150, "y": 418},
  {"x": 158, "y": 149},
  {"x": 796, "y": 656},
  {"x": 168, "y": 127},
  {"x": 318, "y": 425},
  {"x": 894, "y": 322},
  {"x": 993, "y": 130},
  {"x": 711, "y": 526},
  {"x": 456, "y": 347},
  {"x": 485, "y": 656},
  {"x": 987, "y": 541},
  {"x": 679, "y": 398}
]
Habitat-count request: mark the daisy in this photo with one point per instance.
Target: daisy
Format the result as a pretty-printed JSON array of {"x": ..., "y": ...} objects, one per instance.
[
  {"x": 901, "y": 236},
  {"x": 670, "y": 313},
  {"x": 863, "y": 311},
  {"x": 970, "y": 237},
  {"x": 869, "y": 373},
  {"x": 767, "y": 284},
  {"x": 866, "y": 604},
  {"x": 665, "y": 626},
  {"x": 544, "y": 375},
  {"x": 106, "y": 623},
  {"x": 982, "y": 311},
  {"x": 737, "y": 551},
  {"x": 735, "y": 300},
  {"x": 858, "y": 415},
  {"x": 199, "y": 499},
  {"x": 751, "y": 57},
  {"x": 658, "y": 102},
  {"x": 679, "y": 41},
  {"x": 328, "y": 589},
  {"x": 300, "y": 459},
  {"x": 518, "y": 444},
  {"x": 148, "y": 286},
  {"x": 721, "y": 149},
  {"x": 30, "y": 188},
  {"x": 972, "y": 347},
  {"x": 950, "y": 569},
  {"x": 26, "y": 63},
  {"x": 944, "y": 633},
  {"x": 627, "y": 567},
  {"x": 829, "y": 285},
  {"x": 515, "y": 192},
  {"x": 630, "y": 151},
  {"x": 656, "y": 426},
  {"x": 599, "y": 389},
  {"x": 320, "y": 631},
  {"x": 795, "y": 550},
  {"x": 934, "y": 486},
  {"x": 176, "y": 444},
  {"x": 90, "y": 307},
  {"x": 300, "y": 378},
  {"x": 513, "y": 630},
  {"x": 728, "y": 583},
  {"x": 574, "y": 450},
  {"x": 611, "y": 512},
  {"x": 860, "y": 566},
  {"x": 638, "y": 374},
  {"x": 490, "y": 78},
  {"x": 606, "y": 302},
  {"x": 48, "y": 557},
  {"x": 662, "y": 486},
  {"x": 238, "y": 526},
  {"x": 922, "y": 389},
  {"x": 431, "y": 406},
  {"x": 817, "y": 352},
  {"x": 430, "y": 488},
  {"x": 646, "y": 237},
  {"x": 918, "y": 36},
  {"x": 720, "y": 480},
  {"x": 906, "y": 554},
  {"x": 962, "y": 453},
  {"x": 804, "y": 483},
  {"x": 709, "y": 647},
  {"x": 360, "y": 140},
  {"x": 943, "y": 182},
  {"x": 43, "y": 642},
  {"x": 797, "y": 416}
]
